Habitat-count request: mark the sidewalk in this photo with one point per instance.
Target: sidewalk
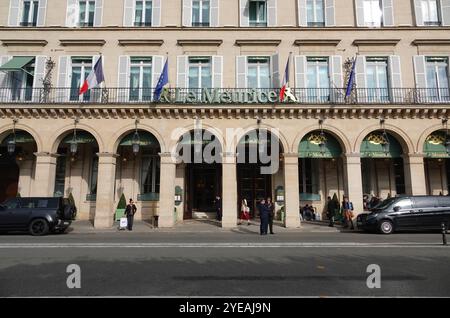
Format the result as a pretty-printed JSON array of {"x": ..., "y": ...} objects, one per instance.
[{"x": 203, "y": 226}]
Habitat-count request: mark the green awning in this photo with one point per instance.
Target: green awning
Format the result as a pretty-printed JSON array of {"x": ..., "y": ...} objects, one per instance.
[
  {"x": 310, "y": 146},
  {"x": 372, "y": 146},
  {"x": 17, "y": 63},
  {"x": 434, "y": 146},
  {"x": 204, "y": 139},
  {"x": 22, "y": 137},
  {"x": 83, "y": 137},
  {"x": 145, "y": 139}
]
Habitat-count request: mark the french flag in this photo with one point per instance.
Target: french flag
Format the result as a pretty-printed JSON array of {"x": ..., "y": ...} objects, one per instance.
[
  {"x": 285, "y": 82},
  {"x": 94, "y": 78}
]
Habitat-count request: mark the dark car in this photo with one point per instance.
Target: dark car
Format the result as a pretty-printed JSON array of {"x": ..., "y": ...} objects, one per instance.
[
  {"x": 407, "y": 213},
  {"x": 38, "y": 216}
]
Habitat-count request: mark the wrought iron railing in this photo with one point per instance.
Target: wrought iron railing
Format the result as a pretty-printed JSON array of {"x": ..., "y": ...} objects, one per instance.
[{"x": 232, "y": 96}]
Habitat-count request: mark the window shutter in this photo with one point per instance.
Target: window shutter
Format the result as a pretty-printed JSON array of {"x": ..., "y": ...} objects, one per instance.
[
  {"x": 395, "y": 73},
  {"x": 123, "y": 80},
  {"x": 63, "y": 84},
  {"x": 420, "y": 71},
  {"x": 41, "y": 12},
  {"x": 336, "y": 71},
  {"x": 300, "y": 77},
  {"x": 187, "y": 13},
  {"x": 388, "y": 12},
  {"x": 241, "y": 71},
  {"x": 330, "y": 18},
  {"x": 157, "y": 68},
  {"x": 98, "y": 13},
  {"x": 156, "y": 13},
  {"x": 360, "y": 13},
  {"x": 4, "y": 76},
  {"x": 445, "y": 9},
  {"x": 244, "y": 8},
  {"x": 39, "y": 73},
  {"x": 214, "y": 20},
  {"x": 275, "y": 66},
  {"x": 418, "y": 12},
  {"x": 360, "y": 77},
  {"x": 271, "y": 12},
  {"x": 72, "y": 13},
  {"x": 302, "y": 16},
  {"x": 14, "y": 13},
  {"x": 217, "y": 71},
  {"x": 182, "y": 71},
  {"x": 128, "y": 13}
]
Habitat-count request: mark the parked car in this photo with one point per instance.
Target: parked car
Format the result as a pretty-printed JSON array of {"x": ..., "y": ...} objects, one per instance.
[
  {"x": 38, "y": 216},
  {"x": 407, "y": 213}
]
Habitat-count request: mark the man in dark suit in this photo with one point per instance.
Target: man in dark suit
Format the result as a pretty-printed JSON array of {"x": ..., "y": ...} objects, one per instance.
[
  {"x": 271, "y": 209},
  {"x": 264, "y": 216},
  {"x": 218, "y": 206},
  {"x": 130, "y": 211}
]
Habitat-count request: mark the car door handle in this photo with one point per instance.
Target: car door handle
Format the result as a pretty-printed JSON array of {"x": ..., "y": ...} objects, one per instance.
[{"x": 420, "y": 211}]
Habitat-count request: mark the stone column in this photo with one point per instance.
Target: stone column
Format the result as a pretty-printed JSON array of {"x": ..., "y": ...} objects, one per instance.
[
  {"x": 167, "y": 191},
  {"x": 353, "y": 182},
  {"x": 44, "y": 177},
  {"x": 291, "y": 191},
  {"x": 414, "y": 175},
  {"x": 25, "y": 177},
  {"x": 104, "y": 208},
  {"x": 229, "y": 190}
]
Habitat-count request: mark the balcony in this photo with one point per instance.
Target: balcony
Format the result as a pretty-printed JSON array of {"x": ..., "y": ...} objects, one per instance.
[{"x": 224, "y": 96}]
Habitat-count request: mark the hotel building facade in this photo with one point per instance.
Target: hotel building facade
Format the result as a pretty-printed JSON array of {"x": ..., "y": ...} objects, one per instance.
[{"x": 226, "y": 64}]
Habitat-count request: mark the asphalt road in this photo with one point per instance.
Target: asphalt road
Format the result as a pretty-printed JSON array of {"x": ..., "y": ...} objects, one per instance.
[{"x": 232, "y": 263}]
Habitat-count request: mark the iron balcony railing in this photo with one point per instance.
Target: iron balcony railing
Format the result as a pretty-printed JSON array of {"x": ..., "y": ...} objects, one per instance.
[{"x": 297, "y": 96}]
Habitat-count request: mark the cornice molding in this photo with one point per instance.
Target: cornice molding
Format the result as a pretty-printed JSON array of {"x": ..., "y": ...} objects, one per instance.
[
  {"x": 139, "y": 42},
  {"x": 366, "y": 42},
  {"x": 82, "y": 42},
  {"x": 257, "y": 42},
  {"x": 24, "y": 42},
  {"x": 316, "y": 42},
  {"x": 423, "y": 42},
  {"x": 200, "y": 42}
]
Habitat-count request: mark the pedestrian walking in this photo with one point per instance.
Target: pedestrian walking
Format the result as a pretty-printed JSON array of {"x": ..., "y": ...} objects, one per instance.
[
  {"x": 330, "y": 211},
  {"x": 264, "y": 217},
  {"x": 130, "y": 211},
  {"x": 271, "y": 209},
  {"x": 245, "y": 212},
  {"x": 347, "y": 208},
  {"x": 218, "y": 206}
]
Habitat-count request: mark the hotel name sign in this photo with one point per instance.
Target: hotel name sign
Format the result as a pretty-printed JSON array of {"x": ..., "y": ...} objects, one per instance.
[{"x": 224, "y": 96}]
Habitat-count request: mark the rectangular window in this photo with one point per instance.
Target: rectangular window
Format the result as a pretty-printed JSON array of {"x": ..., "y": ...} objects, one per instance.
[
  {"x": 21, "y": 83},
  {"x": 309, "y": 174},
  {"x": 315, "y": 13},
  {"x": 258, "y": 13},
  {"x": 430, "y": 12},
  {"x": 81, "y": 67},
  {"x": 377, "y": 79},
  {"x": 86, "y": 15},
  {"x": 258, "y": 72},
  {"x": 200, "y": 73},
  {"x": 30, "y": 13},
  {"x": 373, "y": 13},
  {"x": 140, "y": 78},
  {"x": 437, "y": 69},
  {"x": 93, "y": 174},
  {"x": 318, "y": 80},
  {"x": 150, "y": 171},
  {"x": 143, "y": 13},
  {"x": 201, "y": 13},
  {"x": 60, "y": 177},
  {"x": 399, "y": 172}
]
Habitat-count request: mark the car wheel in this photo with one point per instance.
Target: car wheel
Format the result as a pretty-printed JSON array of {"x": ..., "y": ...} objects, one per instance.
[
  {"x": 39, "y": 227},
  {"x": 386, "y": 227}
]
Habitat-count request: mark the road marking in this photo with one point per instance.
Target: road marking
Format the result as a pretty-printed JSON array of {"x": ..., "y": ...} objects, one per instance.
[{"x": 218, "y": 245}]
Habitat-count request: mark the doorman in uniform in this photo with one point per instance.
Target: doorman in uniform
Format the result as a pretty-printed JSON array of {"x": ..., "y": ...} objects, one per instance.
[{"x": 264, "y": 216}]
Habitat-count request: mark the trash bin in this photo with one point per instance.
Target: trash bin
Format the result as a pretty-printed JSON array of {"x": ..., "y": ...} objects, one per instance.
[{"x": 155, "y": 220}]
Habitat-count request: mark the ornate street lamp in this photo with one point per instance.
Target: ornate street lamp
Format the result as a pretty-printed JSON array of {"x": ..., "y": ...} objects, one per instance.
[
  {"x": 386, "y": 146},
  {"x": 322, "y": 138},
  {"x": 136, "y": 142},
  {"x": 447, "y": 137},
  {"x": 74, "y": 143},
  {"x": 12, "y": 143}
]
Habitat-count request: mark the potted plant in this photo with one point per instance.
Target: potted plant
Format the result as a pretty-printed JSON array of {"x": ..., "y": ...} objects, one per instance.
[{"x": 120, "y": 211}]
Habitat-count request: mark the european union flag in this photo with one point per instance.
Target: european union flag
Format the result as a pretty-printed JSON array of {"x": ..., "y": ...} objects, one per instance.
[
  {"x": 163, "y": 80},
  {"x": 351, "y": 79}
]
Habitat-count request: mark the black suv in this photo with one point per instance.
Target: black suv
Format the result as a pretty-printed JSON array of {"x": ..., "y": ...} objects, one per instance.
[
  {"x": 407, "y": 213},
  {"x": 38, "y": 216}
]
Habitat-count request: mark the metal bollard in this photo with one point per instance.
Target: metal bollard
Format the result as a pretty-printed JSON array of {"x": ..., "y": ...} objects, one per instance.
[{"x": 444, "y": 233}]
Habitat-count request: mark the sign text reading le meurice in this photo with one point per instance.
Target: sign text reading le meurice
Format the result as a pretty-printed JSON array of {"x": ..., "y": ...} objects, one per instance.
[{"x": 223, "y": 96}]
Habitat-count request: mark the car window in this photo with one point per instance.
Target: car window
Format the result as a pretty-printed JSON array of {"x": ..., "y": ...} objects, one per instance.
[
  {"x": 45, "y": 203},
  {"x": 426, "y": 202},
  {"x": 27, "y": 204},
  {"x": 403, "y": 204},
  {"x": 11, "y": 204},
  {"x": 444, "y": 201}
]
